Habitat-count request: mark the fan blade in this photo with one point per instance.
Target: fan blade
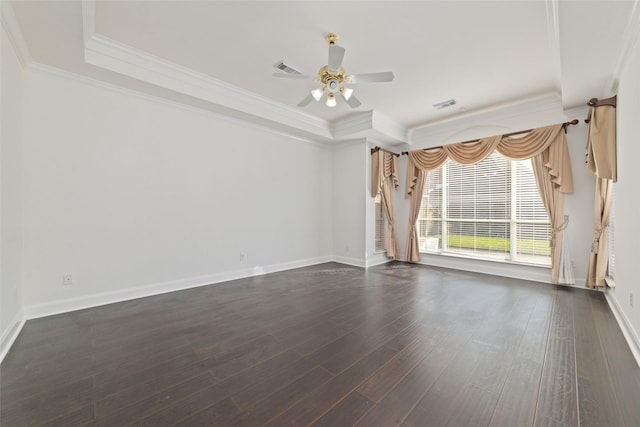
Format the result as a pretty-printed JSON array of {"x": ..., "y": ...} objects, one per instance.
[
  {"x": 352, "y": 101},
  {"x": 336, "y": 54},
  {"x": 305, "y": 101},
  {"x": 385, "y": 76},
  {"x": 290, "y": 76}
]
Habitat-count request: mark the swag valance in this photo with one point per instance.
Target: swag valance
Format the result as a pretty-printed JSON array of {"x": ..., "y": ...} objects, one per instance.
[
  {"x": 601, "y": 140},
  {"x": 383, "y": 165},
  {"x": 549, "y": 138}
]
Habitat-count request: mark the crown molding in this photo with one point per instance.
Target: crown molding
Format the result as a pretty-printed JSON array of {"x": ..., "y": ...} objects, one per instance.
[
  {"x": 538, "y": 111},
  {"x": 580, "y": 112},
  {"x": 120, "y": 58},
  {"x": 387, "y": 130},
  {"x": 353, "y": 124},
  {"x": 114, "y": 56},
  {"x": 14, "y": 34},
  {"x": 349, "y": 142},
  {"x": 630, "y": 43},
  {"x": 88, "y": 19},
  {"x": 553, "y": 27},
  {"x": 370, "y": 124},
  {"x": 228, "y": 116}
]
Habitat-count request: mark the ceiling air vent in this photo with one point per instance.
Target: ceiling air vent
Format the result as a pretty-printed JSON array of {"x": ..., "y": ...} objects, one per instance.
[
  {"x": 286, "y": 68},
  {"x": 445, "y": 104}
]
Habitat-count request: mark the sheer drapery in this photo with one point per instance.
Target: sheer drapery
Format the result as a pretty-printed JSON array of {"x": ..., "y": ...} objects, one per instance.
[
  {"x": 601, "y": 160},
  {"x": 565, "y": 275},
  {"x": 548, "y": 142},
  {"x": 412, "y": 251},
  {"x": 384, "y": 178}
]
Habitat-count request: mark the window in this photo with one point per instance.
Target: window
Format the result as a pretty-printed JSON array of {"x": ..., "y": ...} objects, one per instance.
[
  {"x": 381, "y": 222},
  {"x": 490, "y": 210}
]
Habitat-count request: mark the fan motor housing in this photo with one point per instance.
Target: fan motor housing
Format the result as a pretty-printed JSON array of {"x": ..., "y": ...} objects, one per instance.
[{"x": 325, "y": 75}]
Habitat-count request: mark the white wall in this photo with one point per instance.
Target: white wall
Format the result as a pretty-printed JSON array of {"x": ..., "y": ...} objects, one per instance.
[
  {"x": 579, "y": 204},
  {"x": 627, "y": 226},
  {"x": 10, "y": 214},
  {"x": 350, "y": 200},
  {"x": 123, "y": 191}
]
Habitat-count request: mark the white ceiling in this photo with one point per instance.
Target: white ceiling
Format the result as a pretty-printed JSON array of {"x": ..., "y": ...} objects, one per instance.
[{"x": 482, "y": 53}]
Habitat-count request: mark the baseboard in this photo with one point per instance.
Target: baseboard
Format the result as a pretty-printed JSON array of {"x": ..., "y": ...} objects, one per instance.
[
  {"x": 88, "y": 301},
  {"x": 377, "y": 259},
  {"x": 628, "y": 331},
  {"x": 9, "y": 336},
  {"x": 356, "y": 262}
]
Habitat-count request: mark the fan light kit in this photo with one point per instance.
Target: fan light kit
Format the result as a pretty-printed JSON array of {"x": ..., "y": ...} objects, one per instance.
[{"x": 332, "y": 77}]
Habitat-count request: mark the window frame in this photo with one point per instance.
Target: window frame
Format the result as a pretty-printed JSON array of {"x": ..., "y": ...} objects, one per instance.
[{"x": 512, "y": 223}]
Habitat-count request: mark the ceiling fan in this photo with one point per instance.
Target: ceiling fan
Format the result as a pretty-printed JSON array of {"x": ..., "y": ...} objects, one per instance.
[{"x": 332, "y": 77}]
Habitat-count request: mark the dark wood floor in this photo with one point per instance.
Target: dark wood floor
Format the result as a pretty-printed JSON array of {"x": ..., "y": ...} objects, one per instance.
[{"x": 330, "y": 345}]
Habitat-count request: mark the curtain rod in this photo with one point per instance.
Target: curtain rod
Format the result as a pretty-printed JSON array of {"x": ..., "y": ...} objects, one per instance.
[
  {"x": 564, "y": 125},
  {"x": 594, "y": 102},
  {"x": 374, "y": 149}
]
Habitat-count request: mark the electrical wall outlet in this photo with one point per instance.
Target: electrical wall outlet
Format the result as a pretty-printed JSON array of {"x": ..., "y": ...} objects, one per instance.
[
  {"x": 67, "y": 280},
  {"x": 241, "y": 257},
  {"x": 631, "y": 298}
]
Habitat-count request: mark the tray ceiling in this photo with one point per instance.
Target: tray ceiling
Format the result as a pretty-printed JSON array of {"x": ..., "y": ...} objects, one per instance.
[{"x": 483, "y": 54}]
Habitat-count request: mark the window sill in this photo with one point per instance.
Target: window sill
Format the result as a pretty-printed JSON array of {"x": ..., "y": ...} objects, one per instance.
[{"x": 494, "y": 260}]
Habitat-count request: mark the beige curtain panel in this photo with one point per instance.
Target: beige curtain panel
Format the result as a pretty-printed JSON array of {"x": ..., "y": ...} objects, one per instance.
[
  {"x": 602, "y": 161},
  {"x": 549, "y": 143},
  {"x": 384, "y": 179},
  {"x": 412, "y": 250},
  {"x": 601, "y": 143},
  {"x": 553, "y": 201}
]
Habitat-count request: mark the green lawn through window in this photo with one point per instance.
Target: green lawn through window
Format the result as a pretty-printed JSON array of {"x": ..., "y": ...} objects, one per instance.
[{"x": 498, "y": 244}]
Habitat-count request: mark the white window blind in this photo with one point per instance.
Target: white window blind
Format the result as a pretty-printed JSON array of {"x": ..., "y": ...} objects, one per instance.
[
  {"x": 533, "y": 230},
  {"x": 490, "y": 210},
  {"x": 380, "y": 224}
]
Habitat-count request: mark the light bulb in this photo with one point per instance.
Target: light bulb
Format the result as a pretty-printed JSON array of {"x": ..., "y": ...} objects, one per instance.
[
  {"x": 331, "y": 100},
  {"x": 317, "y": 94}
]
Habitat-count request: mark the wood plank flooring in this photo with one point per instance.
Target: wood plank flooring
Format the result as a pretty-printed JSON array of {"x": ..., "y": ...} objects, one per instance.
[{"x": 330, "y": 345}]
